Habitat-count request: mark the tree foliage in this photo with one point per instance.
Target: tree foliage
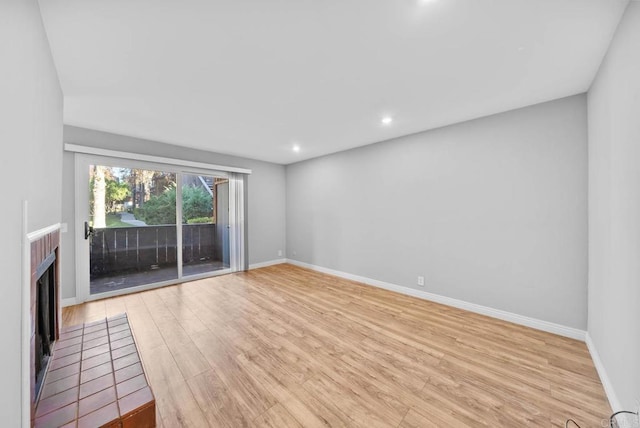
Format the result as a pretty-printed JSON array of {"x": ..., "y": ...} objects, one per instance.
[
  {"x": 116, "y": 193},
  {"x": 196, "y": 203},
  {"x": 161, "y": 209}
]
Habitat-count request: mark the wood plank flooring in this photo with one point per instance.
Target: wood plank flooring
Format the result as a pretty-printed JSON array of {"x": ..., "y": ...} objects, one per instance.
[{"x": 288, "y": 347}]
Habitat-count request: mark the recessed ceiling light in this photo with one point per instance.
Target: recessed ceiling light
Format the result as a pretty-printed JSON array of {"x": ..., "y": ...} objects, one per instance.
[
  {"x": 387, "y": 120},
  {"x": 296, "y": 148}
]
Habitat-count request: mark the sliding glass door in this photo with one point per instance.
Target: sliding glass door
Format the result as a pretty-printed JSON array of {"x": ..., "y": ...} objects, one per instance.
[
  {"x": 205, "y": 224},
  {"x": 142, "y": 225},
  {"x": 131, "y": 227}
]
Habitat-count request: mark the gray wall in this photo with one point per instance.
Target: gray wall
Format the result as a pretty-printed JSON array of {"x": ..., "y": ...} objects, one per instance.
[
  {"x": 491, "y": 211},
  {"x": 266, "y": 195},
  {"x": 614, "y": 210},
  {"x": 31, "y": 138}
]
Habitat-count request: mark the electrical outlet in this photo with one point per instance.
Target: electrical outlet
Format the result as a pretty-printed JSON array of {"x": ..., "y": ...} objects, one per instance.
[
  {"x": 295, "y": 253},
  {"x": 421, "y": 281},
  {"x": 279, "y": 253}
]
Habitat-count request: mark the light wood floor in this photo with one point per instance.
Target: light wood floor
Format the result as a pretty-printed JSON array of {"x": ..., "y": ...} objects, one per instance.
[{"x": 284, "y": 346}]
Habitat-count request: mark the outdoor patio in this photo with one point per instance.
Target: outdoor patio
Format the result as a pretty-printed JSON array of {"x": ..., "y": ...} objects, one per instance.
[
  {"x": 128, "y": 257},
  {"x": 124, "y": 280}
]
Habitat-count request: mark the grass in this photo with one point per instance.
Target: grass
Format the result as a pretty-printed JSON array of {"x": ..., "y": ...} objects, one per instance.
[{"x": 113, "y": 220}]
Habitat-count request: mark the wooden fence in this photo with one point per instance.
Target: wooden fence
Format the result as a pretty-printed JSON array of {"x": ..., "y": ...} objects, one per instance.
[{"x": 142, "y": 248}]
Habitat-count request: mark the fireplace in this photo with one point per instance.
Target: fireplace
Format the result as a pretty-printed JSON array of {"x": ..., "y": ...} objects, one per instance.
[
  {"x": 44, "y": 303},
  {"x": 46, "y": 320}
]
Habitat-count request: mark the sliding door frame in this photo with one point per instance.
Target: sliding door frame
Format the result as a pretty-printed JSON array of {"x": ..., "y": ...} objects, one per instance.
[{"x": 236, "y": 211}]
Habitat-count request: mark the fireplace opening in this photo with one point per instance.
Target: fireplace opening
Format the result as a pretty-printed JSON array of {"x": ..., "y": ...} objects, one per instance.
[{"x": 45, "y": 322}]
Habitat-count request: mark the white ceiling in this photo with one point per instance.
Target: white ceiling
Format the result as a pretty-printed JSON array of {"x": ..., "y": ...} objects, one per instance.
[{"x": 254, "y": 77}]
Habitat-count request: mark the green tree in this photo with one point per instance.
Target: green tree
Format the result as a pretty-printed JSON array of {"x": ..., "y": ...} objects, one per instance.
[
  {"x": 116, "y": 193},
  {"x": 161, "y": 209},
  {"x": 196, "y": 203}
]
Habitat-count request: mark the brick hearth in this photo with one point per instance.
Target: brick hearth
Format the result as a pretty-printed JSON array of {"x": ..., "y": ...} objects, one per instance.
[{"x": 96, "y": 379}]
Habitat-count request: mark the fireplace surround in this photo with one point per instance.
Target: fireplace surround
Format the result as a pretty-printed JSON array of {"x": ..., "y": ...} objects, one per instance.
[
  {"x": 63, "y": 382},
  {"x": 46, "y": 322},
  {"x": 44, "y": 305}
]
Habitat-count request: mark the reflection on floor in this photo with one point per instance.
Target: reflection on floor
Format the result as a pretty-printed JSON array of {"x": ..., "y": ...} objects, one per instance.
[{"x": 115, "y": 282}]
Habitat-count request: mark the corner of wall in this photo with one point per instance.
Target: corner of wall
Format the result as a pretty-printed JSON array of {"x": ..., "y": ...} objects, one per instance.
[{"x": 614, "y": 402}]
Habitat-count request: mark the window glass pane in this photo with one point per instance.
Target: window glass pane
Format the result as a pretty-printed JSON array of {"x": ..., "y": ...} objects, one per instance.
[
  {"x": 205, "y": 221},
  {"x": 133, "y": 215}
]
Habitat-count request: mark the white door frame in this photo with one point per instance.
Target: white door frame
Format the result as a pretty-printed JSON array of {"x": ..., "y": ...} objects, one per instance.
[{"x": 82, "y": 162}]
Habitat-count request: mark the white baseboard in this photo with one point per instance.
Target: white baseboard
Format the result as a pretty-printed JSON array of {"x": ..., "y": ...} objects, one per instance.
[
  {"x": 68, "y": 302},
  {"x": 547, "y": 326},
  {"x": 604, "y": 378},
  {"x": 267, "y": 263}
]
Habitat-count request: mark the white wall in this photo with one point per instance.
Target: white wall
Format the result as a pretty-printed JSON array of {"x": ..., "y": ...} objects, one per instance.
[
  {"x": 614, "y": 211},
  {"x": 266, "y": 194},
  {"x": 31, "y": 139},
  {"x": 491, "y": 211}
]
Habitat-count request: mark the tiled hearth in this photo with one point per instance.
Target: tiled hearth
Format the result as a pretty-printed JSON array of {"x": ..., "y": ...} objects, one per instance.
[{"x": 96, "y": 379}]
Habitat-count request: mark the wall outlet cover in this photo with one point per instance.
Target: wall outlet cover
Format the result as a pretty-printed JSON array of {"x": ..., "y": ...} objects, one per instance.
[{"x": 421, "y": 281}]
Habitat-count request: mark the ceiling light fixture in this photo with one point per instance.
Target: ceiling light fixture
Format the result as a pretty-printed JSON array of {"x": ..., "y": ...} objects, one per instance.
[
  {"x": 296, "y": 148},
  {"x": 387, "y": 120}
]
